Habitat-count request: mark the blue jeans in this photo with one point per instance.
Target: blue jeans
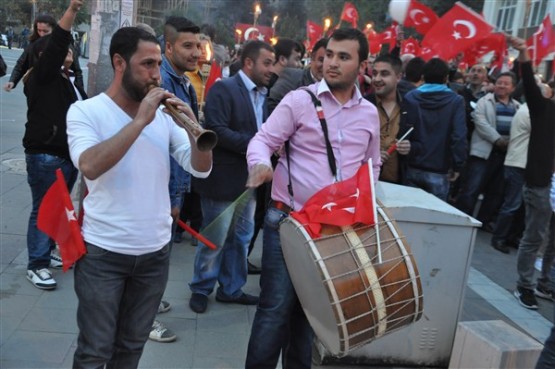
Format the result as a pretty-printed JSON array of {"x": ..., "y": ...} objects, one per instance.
[
  {"x": 547, "y": 356},
  {"x": 435, "y": 183},
  {"x": 41, "y": 174},
  {"x": 280, "y": 325},
  {"x": 118, "y": 299},
  {"x": 231, "y": 234},
  {"x": 538, "y": 216},
  {"x": 514, "y": 181}
]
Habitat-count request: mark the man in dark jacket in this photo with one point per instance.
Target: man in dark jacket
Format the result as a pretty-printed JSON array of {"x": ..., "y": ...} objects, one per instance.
[
  {"x": 536, "y": 194},
  {"x": 235, "y": 109},
  {"x": 50, "y": 91},
  {"x": 438, "y": 144}
]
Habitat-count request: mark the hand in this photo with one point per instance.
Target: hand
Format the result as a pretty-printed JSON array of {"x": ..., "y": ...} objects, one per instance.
[
  {"x": 75, "y": 5},
  {"x": 403, "y": 147},
  {"x": 150, "y": 103},
  {"x": 259, "y": 174},
  {"x": 175, "y": 213},
  {"x": 502, "y": 144},
  {"x": 8, "y": 86},
  {"x": 384, "y": 156},
  {"x": 182, "y": 107},
  {"x": 517, "y": 43},
  {"x": 452, "y": 176}
]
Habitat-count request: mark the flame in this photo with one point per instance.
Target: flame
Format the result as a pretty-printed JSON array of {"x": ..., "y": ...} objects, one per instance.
[
  {"x": 257, "y": 9},
  {"x": 239, "y": 32},
  {"x": 208, "y": 52},
  {"x": 273, "y": 41}
]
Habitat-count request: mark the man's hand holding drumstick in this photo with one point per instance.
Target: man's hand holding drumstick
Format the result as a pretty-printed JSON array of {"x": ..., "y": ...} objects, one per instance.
[{"x": 402, "y": 146}]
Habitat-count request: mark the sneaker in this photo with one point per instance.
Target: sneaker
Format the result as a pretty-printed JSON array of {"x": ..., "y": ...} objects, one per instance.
[
  {"x": 544, "y": 293},
  {"x": 526, "y": 298},
  {"x": 160, "y": 333},
  {"x": 56, "y": 259},
  {"x": 164, "y": 307},
  {"x": 41, "y": 278}
]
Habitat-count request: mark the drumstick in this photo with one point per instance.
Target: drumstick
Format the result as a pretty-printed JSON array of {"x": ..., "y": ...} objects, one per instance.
[{"x": 393, "y": 146}]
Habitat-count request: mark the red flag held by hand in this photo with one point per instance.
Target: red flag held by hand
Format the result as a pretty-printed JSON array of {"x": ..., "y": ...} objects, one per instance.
[
  {"x": 350, "y": 14},
  {"x": 343, "y": 203},
  {"x": 542, "y": 43},
  {"x": 56, "y": 218},
  {"x": 457, "y": 30}
]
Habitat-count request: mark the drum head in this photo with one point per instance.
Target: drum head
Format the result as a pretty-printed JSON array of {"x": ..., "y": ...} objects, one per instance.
[{"x": 298, "y": 249}]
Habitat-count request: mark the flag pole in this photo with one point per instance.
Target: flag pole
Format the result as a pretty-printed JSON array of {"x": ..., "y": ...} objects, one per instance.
[{"x": 374, "y": 208}]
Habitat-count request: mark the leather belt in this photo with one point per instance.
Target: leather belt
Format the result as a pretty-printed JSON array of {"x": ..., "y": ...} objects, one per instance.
[{"x": 280, "y": 206}]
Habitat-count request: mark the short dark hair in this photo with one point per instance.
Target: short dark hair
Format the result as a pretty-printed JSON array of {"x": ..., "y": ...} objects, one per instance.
[
  {"x": 413, "y": 69},
  {"x": 208, "y": 30},
  {"x": 435, "y": 70},
  {"x": 511, "y": 75},
  {"x": 285, "y": 46},
  {"x": 323, "y": 42},
  {"x": 251, "y": 50},
  {"x": 341, "y": 34},
  {"x": 394, "y": 61},
  {"x": 175, "y": 25},
  {"x": 126, "y": 41}
]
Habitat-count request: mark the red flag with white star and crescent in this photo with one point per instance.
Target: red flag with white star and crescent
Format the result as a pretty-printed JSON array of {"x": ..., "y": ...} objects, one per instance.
[
  {"x": 457, "y": 30},
  {"x": 56, "y": 218},
  {"x": 420, "y": 17},
  {"x": 343, "y": 203},
  {"x": 350, "y": 14},
  {"x": 258, "y": 32}
]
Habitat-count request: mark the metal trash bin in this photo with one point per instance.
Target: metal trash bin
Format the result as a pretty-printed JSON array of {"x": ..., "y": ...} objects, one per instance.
[{"x": 442, "y": 240}]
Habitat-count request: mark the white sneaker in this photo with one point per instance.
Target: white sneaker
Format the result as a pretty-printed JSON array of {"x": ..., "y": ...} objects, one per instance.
[
  {"x": 56, "y": 259},
  {"x": 160, "y": 333},
  {"x": 41, "y": 278}
]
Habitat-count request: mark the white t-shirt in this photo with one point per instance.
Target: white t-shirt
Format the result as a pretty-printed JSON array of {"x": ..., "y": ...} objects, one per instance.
[{"x": 127, "y": 209}]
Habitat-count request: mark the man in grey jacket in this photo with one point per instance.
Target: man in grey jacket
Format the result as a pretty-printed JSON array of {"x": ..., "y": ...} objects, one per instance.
[{"x": 488, "y": 148}]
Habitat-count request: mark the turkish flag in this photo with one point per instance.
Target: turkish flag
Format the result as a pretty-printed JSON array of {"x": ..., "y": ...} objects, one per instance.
[
  {"x": 314, "y": 32},
  {"x": 350, "y": 14},
  {"x": 389, "y": 36},
  {"x": 341, "y": 204},
  {"x": 456, "y": 31},
  {"x": 374, "y": 41},
  {"x": 214, "y": 76},
  {"x": 493, "y": 42},
  {"x": 258, "y": 32},
  {"x": 56, "y": 218},
  {"x": 410, "y": 46},
  {"x": 420, "y": 17},
  {"x": 542, "y": 43}
]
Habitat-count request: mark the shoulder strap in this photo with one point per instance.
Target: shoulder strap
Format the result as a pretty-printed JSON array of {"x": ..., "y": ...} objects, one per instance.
[{"x": 331, "y": 157}]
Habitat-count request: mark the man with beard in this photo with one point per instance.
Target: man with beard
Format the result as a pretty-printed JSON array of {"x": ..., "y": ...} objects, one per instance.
[
  {"x": 280, "y": 325},
  {"x": 395, "y": 114},
  {"x": 121, "y": 142},
  {"x": 235, "y": 109}
]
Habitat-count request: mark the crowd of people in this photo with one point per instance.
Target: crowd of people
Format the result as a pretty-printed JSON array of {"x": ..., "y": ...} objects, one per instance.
[{"x": 480, "y": 141}]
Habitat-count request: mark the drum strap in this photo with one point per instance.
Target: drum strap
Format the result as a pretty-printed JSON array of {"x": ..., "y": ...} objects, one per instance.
[{"x": 331, "y": 157}]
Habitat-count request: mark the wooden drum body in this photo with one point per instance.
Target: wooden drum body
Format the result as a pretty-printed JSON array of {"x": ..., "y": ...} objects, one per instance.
[{"x": 353, "y": 289}]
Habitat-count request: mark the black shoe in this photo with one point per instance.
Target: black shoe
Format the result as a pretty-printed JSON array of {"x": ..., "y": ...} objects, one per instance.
[
  {"x": 177, "y": 237},
  {"x": 194, "y": 242},
  {"x": 544, "y": 293},
  {"x": 243, "y": 299},
  {"x": 500, "y": 246},
  {"x": 526, "y": 298},
  {"x": 253, "y": 269},
  {"x": 198, "y": 302}
]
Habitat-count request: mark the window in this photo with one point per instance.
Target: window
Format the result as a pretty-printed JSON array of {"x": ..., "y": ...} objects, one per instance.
[
  {"x": 536, "y": 13},
  {"x": 506, "y": 14}
]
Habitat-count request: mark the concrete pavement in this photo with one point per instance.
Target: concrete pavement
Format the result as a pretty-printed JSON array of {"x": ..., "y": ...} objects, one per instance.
[{"x": 38, "y": 328}]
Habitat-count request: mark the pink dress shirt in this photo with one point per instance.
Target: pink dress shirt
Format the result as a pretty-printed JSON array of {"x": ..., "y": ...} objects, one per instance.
[{"x": 354, "y": 133}]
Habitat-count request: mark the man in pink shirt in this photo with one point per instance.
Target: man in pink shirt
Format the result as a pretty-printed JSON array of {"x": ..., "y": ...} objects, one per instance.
[{"x": 354, "y": 135}]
